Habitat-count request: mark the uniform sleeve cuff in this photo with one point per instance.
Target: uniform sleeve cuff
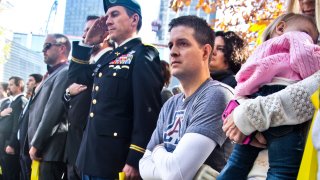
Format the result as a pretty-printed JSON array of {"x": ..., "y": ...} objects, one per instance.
[
  {"x": 135, "y": 154},
  {"x": 81, "y": 43},
  {"x": 80, "y": 54}
]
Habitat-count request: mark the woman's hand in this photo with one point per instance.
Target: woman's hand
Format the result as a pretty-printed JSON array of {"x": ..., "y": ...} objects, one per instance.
[
  {"x": 232, "y": 131},
  {"x": 235, "y": 135}
]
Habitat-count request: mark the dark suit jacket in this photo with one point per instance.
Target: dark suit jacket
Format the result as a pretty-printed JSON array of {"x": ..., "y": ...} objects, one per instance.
[
  {"x": 47, "y": 128},
  {"x": 4, "y": 133},
  {"x": 23, "y": 130},
  {"x": 9, "y": 124},
  {"x": 124, "y": 108},
  {"x": 78, "y": 109}
]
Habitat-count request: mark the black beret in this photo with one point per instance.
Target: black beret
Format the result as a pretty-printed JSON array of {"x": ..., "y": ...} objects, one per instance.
[{"x": 130, "y": 4}]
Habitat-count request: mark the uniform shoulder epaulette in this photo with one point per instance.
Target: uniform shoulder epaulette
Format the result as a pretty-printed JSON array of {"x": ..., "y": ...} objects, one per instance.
[{"x": 149, "y": 45}]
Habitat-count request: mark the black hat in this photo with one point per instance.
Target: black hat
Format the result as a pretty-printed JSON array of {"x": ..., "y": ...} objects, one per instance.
[{"x": 130, "y": 4}]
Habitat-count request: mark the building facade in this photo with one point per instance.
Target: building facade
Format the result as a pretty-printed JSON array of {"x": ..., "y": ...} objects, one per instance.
[
  {"x": 76, "y": 14},
  {"x": 20, "y": 60}
]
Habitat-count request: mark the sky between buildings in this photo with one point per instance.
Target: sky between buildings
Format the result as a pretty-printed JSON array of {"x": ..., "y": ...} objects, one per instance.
[{"x": 31, "y": 16}]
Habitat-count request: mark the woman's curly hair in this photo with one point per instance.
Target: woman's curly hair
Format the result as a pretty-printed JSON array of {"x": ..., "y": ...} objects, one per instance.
[
  {"x": 165, "y": 72},
  {"x": 235, "y": 50}
]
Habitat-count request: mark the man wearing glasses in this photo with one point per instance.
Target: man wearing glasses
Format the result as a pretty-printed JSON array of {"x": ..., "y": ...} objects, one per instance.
[{"x": 47, "y": 127}]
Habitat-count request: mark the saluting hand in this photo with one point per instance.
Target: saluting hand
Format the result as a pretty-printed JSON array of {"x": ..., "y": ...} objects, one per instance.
[
  {"x": 98, "y": 32},
  {"x": 131, "y": 172}
]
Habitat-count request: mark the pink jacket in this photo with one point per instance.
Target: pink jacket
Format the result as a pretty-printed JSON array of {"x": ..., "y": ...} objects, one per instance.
[{"x": 292, "y": 55}]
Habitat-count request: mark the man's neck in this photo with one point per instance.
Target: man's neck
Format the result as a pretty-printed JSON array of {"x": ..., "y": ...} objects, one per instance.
[
  {"x": 60, "y": 61},
  {"x": 14, "y": 96},
  {"x": 190, "y": 85},
  {"x": 128, "y": 38}
]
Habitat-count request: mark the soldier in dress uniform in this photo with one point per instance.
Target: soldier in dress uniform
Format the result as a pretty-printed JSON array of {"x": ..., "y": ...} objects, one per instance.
[
  {"x": 77, "y": 99},
  {"x": 125, "y": 97}
]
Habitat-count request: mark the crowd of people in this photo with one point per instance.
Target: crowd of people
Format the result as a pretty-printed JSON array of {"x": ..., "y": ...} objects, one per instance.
[{"x": 108, "y": 112}]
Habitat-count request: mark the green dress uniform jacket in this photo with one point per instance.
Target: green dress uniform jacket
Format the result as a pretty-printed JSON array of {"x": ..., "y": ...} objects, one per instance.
[
  {"x": 124, "y": 109},
  {"x": 78, "y": 108}
]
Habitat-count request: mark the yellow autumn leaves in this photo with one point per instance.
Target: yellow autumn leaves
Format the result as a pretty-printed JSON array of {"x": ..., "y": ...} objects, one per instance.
[{"x": 246, "y": 17}]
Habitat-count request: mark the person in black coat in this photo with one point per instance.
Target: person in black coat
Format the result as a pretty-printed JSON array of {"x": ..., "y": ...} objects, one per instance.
[
  {"x": 78, "y": 102},
  {"x": 125, "y": 97},
  {"x": 229, "y": 52},
  {"x": 3, "y": 92},
  {"x": 9, "y": 127},
  {"x": 25, "y": 161}
]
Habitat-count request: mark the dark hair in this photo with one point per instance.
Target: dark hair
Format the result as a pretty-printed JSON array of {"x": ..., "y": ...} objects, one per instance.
[
  {"x": 202, "y": 31},
  {"x": 165, "y": 72},
  {"x": 18, "y": 82},
  {"x": 4, "y": 86},
  {"x": 92, "y": 17},
  {"x": 37, "y": 77},
  {"x": 131, "y": 13},
  {"x": 64, "y": 40},
  {"x": 235, "y": 50}
]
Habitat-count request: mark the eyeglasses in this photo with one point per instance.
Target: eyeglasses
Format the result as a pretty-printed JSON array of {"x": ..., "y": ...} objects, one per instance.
[{"x": 47, "y": 46}]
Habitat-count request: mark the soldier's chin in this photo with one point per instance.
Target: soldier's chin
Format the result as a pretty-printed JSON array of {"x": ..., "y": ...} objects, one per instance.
[{"x": 114, "y": 38}]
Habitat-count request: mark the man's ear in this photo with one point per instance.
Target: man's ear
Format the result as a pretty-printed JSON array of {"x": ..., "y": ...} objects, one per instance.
[
  {"x": 279, "y": 30},
  {"x": 63, "y": 49},
  {"x": 207, "y": 50},
  {"x": 135, "y": 19}
]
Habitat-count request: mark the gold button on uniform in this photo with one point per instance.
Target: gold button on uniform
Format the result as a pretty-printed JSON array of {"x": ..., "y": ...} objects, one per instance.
[
  {"x": 91, "y": 114},
  {"x": 115, "y": 134},
  {"x": 94, "y": 101},
  {"x": 114, "y": 74},
  {"x": 97, "y": 88},
  {"x": 100, "y": 74}
]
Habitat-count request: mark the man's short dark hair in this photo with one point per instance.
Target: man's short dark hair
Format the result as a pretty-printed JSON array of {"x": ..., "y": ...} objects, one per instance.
[
  {"x": 131, "y": 13},
  {"x": 37, "y": 77},
  {"x": 202, "y": 31},
  {"x": 18, "y": 81},
  {"x": 92, "y": 17}
]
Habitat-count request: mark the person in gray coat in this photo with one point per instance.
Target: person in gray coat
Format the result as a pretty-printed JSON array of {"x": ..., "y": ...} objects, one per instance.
[{"x": 47, "y": 128}]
